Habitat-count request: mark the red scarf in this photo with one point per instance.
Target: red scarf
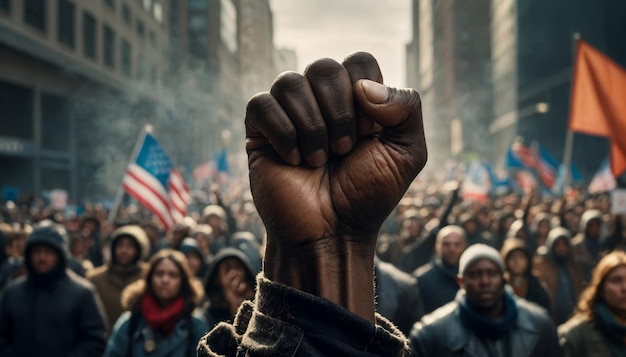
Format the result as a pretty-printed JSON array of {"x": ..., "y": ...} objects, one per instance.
[{"x": 160, "y": 318}]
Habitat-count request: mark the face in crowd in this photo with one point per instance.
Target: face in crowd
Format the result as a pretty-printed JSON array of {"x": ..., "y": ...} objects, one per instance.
[
  {"x": 613, "y": 291},
  {"x": 166, "y": 281},
  {"x": 484, "y": 285},
  {"x": 517, "y": 262},
  {"x": 450, "y": 245},
  {"x": 125, "y": 251},
  {"x": 44, "y": 258}
]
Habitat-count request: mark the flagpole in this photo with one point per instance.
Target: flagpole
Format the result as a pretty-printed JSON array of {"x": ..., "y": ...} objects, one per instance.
[
  {"x": 133, "y": 156},
  {"x": 569, "y": 137}
]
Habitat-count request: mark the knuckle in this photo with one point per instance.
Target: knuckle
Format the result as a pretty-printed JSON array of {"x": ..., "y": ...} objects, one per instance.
[
  {"x": 260, "y": 102},
  {"x": 288, "y": 82}
]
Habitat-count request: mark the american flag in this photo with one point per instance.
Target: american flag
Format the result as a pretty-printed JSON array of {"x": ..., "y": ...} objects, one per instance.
[{"x": 153, "y": 181}]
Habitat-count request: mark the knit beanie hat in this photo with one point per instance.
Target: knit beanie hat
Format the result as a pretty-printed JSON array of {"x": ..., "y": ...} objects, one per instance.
[{"x": 476, "y": 252}]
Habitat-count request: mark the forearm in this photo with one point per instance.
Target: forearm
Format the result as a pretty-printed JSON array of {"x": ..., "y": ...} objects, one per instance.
[{"x": 338, "y": 268}]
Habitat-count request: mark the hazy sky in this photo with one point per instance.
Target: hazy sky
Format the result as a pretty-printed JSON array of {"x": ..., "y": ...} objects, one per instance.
[{"x": 336, "y": 28}]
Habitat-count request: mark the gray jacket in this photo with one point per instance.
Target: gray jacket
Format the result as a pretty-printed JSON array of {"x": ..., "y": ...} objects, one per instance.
[{"x": 443, "y": 334}]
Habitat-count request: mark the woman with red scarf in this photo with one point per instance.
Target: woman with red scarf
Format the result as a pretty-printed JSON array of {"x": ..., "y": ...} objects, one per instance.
[{"x": 162, "y": 319}]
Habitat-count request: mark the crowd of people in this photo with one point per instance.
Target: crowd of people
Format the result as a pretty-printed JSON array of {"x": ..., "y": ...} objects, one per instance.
[{"x": 339, "y": 259}]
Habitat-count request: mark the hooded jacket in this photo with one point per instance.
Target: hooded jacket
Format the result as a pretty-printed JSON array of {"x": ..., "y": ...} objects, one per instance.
[
  {"x": 585, "y": 257},
  {"x": 52, "y": 314},
  {"x": 217, "y": 309},
  {"x": 111, "y": 279},
  {"x": 535, "y": 290},
  {"x": 546, "y": 267},
  {"x": 437, "y": 283}
]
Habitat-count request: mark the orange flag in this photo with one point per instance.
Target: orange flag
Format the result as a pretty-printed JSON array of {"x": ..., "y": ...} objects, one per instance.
[{"x": 598, "y": 105}]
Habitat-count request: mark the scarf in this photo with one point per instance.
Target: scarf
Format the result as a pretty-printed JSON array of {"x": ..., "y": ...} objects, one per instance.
[
  {"x": 450, "y": 271},
  {"x": 613, "y": 328},
  {"x": 486, "y": 327},
  {"x": 159, "y": 318}
]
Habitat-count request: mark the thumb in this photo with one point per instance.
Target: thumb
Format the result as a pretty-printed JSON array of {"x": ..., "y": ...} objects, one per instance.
[{"x": 398, "y": 111}]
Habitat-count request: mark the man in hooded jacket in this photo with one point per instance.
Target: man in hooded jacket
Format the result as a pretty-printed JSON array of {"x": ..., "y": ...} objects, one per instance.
[
  {"x": 588, "y": 246},
  {"x": 52, "y": 311},
  {"x": 129, "y": 248}
]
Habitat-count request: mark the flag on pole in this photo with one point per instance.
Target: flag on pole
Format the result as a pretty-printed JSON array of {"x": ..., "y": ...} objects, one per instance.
[
  {"x": 603, "y": 180},
  {"x": 153, "y": 181},
  {"x": 598, "y": 105},
  {"x": 477, "y": 182}
]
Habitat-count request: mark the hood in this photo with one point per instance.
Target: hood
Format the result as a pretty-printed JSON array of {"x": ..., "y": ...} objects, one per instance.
[
  {"x": 465, "y": 218},
  {"x": 541, "y": 216},
  {"x": 248, "y": 243},
  {"x": 554, "y": 235},
  {"x": 587, "y": 217},
  {"x": 514, "y": 244},
  {"x": 137, "y": 234},
  {"x": 189, "y": 245},
  {"x": 52, "y": 235},
  {"x": 229, "y": 252}
]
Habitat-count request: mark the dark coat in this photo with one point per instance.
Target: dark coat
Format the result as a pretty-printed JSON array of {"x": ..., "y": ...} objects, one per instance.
[
  {"x": 437, "y": 285},
  {"x": 580, "y": 338},
  {"x": 59, "y": 316},
  {"x": 398, "y": 297},
  {"x": 443, "y": 334},
  {"x": 110, "y": 280}
]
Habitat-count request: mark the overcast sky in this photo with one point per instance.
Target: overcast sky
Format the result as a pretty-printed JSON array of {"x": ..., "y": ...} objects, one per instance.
[{"x": 336, "y": 28}]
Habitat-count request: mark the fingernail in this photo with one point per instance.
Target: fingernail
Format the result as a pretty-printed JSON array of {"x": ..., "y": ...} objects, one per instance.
[
  {"x": 343, "y": 145},
  {"x": 318, "y": 158},
  {"x": 294, "y": 157},
  {"x": 375, "y": 92}
]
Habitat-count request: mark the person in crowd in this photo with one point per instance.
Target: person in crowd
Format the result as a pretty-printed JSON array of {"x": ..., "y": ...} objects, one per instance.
[
  {"x": 437, "y": 281},
  {"x": 422, "y": 252},
  {"x": 485, "y": 319},
  {"x": 229, "y": 281},
  {"x": 78, "y": 250},
  {"x": 215, "y": 216},
  {"x": 589, "y": 245},
  {"x": 248, "y": 243},
  {"x": 411, "y": 231},
  {"x": 195, "y": 257},
  {"x": 398, "y": 296},
  {"x": 503, "y": 221},
  {"x": 181, "y": 231},
  {"x": 91, "y": 229},
  {"x": 518, "y": 273},
  {"x": 163, "y": 318},
  {"x": 154, "y": 236},
  {"x": 52, "y": 311},
  {"x": 599, "y": 326},
  {"x": 330, "y": 154},
  {"x": 129, "y": 249},
  {"x": 474, "y": 231},
  {"x": 556, "y": 268},
  {"x": 203, "y": 234},
  {"x": 12, "y": 266},
  {"x": 540, "y": 228}
]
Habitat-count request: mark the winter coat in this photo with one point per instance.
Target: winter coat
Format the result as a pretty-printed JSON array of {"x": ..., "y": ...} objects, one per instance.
[
  {"x": 546, "y": 269},
  {"x": 284, "y": 321},
  {"x": 398, "y": 297},
  {"x": 580, "y": 338},
  {"x": 444, "y": 334},
  {"x": 437, "y": 285},
  {"x": 182, "y": 342},
  {"x": 110, "y": 280},
  {"x": 59, "y": 315}
]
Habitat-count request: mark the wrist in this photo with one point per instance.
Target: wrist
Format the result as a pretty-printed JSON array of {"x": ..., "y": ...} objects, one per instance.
[{"x": 338, "y": 268}]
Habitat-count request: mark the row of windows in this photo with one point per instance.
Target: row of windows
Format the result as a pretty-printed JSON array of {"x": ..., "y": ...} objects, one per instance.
[
  {"x": 152, "y": 7},
  {"x": 35, "y": 16}
]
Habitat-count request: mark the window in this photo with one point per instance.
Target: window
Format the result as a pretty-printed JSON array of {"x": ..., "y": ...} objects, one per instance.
[
  {"x": 35, "y": 13},
  {"x": 126, "y": 14},
  {"x": 140, "y": 67},
  {"x": 55, "y": 122},
  {"x": 153, "y": 41},
  {"x": 126, "y": 58},
  {"x": 141, "y": 30},
  {"x": 110, "y": 3},
  {"x": 109, "y": 47},
  {"x": 17, "y": 111},
  {"x": 198, "y": 4},
  {"x": 66, "y": 23},
  {"x": 5, "y": 5},
  {"x": 89, "y": 35}
]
